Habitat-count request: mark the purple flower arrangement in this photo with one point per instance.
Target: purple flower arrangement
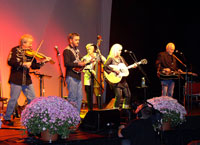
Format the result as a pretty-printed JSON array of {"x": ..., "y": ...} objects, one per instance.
[
  {"x": 50, "y": 113},
  {"x": 172, "y": 111}
]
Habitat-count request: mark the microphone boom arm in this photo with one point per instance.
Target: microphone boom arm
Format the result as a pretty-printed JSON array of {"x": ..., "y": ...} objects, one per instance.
[{"x": 179, "y": 60}]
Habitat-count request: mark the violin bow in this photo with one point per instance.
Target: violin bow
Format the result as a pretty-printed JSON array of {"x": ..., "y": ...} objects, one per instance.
[{"x": 37, "y": 50}]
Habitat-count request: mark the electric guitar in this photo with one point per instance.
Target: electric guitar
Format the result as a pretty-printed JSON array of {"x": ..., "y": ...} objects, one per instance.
[{"x": 114, "y": 78}]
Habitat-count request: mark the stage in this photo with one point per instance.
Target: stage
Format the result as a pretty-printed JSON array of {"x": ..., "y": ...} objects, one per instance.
[
  {"x": 103, "y": 130},
  {"x": 18, "y": 134}
]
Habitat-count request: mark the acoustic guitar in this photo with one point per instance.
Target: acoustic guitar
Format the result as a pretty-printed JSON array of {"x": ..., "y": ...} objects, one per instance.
[
  {"x": 79, "y": 69},
  {"x": 124, "y": 71}
]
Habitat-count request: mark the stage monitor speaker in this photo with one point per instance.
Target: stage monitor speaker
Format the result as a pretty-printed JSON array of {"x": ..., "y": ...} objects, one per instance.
[{"x": 98, "y": 120}]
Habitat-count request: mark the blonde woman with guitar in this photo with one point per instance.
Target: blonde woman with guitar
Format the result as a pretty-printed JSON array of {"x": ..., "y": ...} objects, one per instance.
[{"x": 115, "y": 58}]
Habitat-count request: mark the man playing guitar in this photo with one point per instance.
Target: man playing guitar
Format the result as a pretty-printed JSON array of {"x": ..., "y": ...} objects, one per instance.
[{"x": 72, "y": 58}]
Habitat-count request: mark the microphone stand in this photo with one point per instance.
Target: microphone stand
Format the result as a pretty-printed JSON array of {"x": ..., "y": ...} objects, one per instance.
[
  {"x": 61, "y": 76},
  {"x": 145, "y": 75},
  {"x": 188, "y": 84},
  {"x": 92, "y": 89},
  {"x": 179, "y": 60},
  {"x": 186, "y": 76},
  {"x": 140, "y": 68}
]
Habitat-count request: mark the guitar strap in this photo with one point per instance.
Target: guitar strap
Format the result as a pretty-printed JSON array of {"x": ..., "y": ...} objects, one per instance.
[
  {"x": 123, "y": 61},
  {"x": 76, "y": 54}
]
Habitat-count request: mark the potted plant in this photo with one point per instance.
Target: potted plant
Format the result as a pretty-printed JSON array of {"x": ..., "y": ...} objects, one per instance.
[
  {"x": 171, "y": 110},
  {"x": 51, "y": 113}
]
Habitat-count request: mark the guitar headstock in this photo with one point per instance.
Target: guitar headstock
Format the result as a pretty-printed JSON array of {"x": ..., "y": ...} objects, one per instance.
[{"x": 143, "y": 61}]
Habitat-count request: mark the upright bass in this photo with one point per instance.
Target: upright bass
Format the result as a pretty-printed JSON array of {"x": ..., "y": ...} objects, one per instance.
[{"x": 99, "y": 78}]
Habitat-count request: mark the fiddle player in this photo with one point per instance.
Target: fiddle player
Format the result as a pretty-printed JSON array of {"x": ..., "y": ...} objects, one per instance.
[
  {"x": 166, "y": 63},
  {"x": 89, "y": 71},
  {"x": 115, "y": 58},
  {"x": 72, "y": 61},
  {"x": 20, "y": 79}
]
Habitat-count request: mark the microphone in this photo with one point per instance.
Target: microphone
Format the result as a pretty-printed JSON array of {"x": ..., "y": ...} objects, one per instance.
[
  {"x": 127, "y": 51},
  {"x": 177, "y": 51},
  {"x": 56, "y": 47}
]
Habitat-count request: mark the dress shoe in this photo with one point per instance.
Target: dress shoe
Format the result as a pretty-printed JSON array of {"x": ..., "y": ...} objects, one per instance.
[{"x": 8, "y": 122}]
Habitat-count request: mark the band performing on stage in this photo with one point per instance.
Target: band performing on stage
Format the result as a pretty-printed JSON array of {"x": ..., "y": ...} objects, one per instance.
[
  {"x": 99, "y": 72},
  {"x": 96, "y": 69}
]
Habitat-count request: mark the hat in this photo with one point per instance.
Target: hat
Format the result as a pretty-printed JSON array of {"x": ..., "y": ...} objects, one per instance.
[{"x": 90, "y": 44}]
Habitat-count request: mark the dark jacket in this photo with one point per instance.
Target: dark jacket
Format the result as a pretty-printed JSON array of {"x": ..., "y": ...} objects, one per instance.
[{"x": 19, "y": 75}]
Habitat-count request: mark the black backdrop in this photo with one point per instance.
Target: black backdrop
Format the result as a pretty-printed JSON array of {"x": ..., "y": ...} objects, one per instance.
[{"x": 145, "y": 27}]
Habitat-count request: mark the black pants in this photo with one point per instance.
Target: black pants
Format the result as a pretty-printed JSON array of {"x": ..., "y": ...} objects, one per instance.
[
  {"x": 89, "y": 94},
  {"x": 118, "y": 94}
]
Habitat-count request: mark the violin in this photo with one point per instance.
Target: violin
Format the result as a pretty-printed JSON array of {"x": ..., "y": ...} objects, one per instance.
[{"x": 37, "y": 55}]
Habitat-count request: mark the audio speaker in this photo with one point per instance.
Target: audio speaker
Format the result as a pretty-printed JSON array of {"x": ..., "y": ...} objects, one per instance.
[{"x": 98, "y": 120}]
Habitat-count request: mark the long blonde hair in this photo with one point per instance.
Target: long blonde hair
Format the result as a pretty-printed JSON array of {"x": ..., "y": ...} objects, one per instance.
[{"x": 114, "y": 50}]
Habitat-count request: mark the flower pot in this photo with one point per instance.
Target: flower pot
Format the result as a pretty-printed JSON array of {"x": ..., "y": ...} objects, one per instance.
[
  {"x": 166, "y": 126},
  {"x": 46, "y": 136}
]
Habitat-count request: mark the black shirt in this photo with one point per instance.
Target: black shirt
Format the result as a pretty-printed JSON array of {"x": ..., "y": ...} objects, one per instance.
[
  {"x": 70, "y": 63},
  {"x": 164, "y": 60}
]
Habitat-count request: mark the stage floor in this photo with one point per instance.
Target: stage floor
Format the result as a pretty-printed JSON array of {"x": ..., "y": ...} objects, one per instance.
[{"x": 17, "y": 134}]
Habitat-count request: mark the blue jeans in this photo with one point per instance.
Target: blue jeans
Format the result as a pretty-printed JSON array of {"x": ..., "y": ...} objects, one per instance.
[
  {"x": 167, "y": 87},
  {"x": 15, "y": 91},
  {"x": 75, "y": 92}
]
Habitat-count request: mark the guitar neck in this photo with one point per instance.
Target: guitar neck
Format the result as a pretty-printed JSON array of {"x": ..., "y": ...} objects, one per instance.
[{"x": 133, "y": 65}]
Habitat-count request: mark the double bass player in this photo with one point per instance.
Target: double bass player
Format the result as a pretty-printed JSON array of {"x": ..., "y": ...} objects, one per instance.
[{"x": 91, "y": 73}]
